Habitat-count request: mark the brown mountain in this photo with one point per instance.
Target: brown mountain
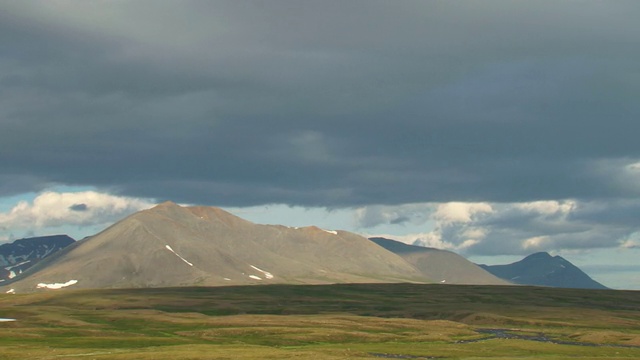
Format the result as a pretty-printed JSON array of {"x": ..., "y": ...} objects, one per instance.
[
  {"x": 441, "y": 265},
  {"x": 170, "y": 245}
]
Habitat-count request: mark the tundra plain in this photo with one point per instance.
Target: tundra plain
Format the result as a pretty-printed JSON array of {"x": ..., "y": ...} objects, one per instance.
[{"x": 345, "y": 321}]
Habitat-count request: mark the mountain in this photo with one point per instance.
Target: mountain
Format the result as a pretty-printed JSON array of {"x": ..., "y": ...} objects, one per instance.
[
  {"x": 171, "y": 245},
  {"x": 441, "y": 265},
  {"x": 20, "y": 255},
  {"x": 543, "y": 269}
]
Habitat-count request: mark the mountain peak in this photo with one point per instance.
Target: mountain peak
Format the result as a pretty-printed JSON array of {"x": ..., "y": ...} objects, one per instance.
[
  {"x": 166, "y": 209},
  {"x": 539, "y": 255},
  {"x": 166, "y": 204},
  {"x": 543, "y": 269},
  {"x": 213, "y": 213},
  {"x": 172, "y": 245},
  {"x": 175, "y": 213}
]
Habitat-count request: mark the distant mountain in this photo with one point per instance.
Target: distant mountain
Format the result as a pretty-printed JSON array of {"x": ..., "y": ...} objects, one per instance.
[
  {"x": 440, "y": 265},
  {"x": 171, "y": 245},
  {"x": 20, "y": 255},
  {"x": 543, "y": 269}
]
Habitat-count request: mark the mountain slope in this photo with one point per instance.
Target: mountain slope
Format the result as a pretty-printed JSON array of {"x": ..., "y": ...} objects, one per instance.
[
  {"x": 170, "y": 245},
  {"x": 441, "y": 265},
  {"x": 22, "y": 254},
  {"x": 544, "y": 270}
]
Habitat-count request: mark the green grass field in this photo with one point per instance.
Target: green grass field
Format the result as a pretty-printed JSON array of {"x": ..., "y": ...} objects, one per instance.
[{"x": 366, "y": 321}]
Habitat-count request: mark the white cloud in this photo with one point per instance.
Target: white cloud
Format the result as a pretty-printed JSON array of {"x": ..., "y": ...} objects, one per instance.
[
  {"x": 431, "y": 239},
  {"x": 632, "y": 242},
  {"x": 452, "y": 223},
  {"x": 55, "y": 209},
  {"x": 548, "y": 207},
  {"x": 475, "y": 233},
  {"x": 468, "y": 243},
  {"x": 427, "y": 239},
  {"x": 461, "y": 212},
  {"x": 517, "y": 228},
  {"x": 435, "y": 239},
  {"x": 635, "y": 167},
  {"x": 535, "y": 243}
]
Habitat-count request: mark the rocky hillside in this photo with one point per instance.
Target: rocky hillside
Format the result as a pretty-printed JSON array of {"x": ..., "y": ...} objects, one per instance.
[{"x": 20, "y": 255}]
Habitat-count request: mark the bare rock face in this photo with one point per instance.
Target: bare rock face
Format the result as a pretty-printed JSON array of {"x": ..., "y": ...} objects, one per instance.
[
  {"x": 171, "y": 245},
  {"x": 17, "y": 257}
]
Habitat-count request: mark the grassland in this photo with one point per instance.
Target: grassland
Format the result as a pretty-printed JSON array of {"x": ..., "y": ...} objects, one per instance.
[{"x": 366, "y": 321}]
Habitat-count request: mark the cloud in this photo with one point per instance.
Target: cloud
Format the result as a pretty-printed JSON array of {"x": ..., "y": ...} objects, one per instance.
[
  {"x": 459, "y": 212},
  {"x": 53, "y": 209},
  {"x": 337, "y": 104},
  {"x": 520, "y": 228},
  {"x": 549, "y": 207},
  {"x": 634, "y": 167},
  {"x": 11, "y": 184},
  {"x": 632, "y": 241},
  {"x": 427, "y": 239},
  {"x": 371, "y": 216}
]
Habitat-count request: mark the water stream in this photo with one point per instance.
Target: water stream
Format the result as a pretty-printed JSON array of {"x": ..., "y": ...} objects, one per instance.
[
  {"x": 505, "y": 334},
  {"x": 540, "y": 337}
]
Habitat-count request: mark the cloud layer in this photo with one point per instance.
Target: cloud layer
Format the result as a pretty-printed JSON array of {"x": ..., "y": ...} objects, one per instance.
[
  {"x": 323, "y": 103},
  {"x": 51, "y": 210},
  {"x": 498, "y": 127},
  {"x": 514, "y": 228}
]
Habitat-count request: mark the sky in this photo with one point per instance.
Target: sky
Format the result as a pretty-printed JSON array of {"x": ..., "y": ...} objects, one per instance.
[{"x": 494, "y": 129}]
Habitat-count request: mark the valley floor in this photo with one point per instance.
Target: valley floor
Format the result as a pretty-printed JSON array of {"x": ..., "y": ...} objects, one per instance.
[{"x": 365, "y": 321}]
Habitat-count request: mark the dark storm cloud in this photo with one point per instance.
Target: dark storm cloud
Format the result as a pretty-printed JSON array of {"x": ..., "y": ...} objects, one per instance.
[
  {"x": 323, "y": 103},
  {"x": 79, "y": 207}
]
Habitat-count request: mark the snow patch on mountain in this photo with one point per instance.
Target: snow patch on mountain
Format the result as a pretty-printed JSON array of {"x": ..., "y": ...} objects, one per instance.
[
  {"x": 181, "y": 258},
  {"x": 267, "y": 274},
  {"x": 255, "y": 277},
  {"x": 16, "y": 265},
  {"x": 57, "y": 285}
]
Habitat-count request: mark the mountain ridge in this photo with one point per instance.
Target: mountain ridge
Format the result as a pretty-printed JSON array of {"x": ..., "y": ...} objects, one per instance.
[
  {"x": 22, "y": 254},
  {"x": 543, "y": 269},
  {"x": 172, "y": 245},
  {"x": 441, "y": 265}
]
